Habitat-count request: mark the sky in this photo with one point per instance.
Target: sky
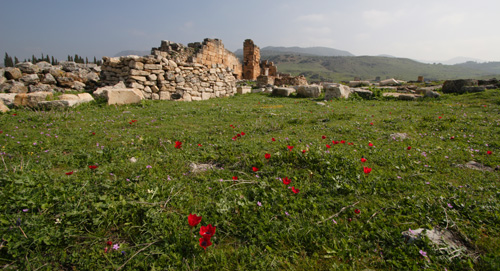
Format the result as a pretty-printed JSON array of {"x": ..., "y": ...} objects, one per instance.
[{"x": 434, "y": 30}]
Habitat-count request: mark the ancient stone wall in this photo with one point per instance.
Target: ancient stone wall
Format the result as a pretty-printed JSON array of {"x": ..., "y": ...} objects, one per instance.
[
  {"x": 173, "y": 71},
  {"x": 251, "y": 60},
  {"x": 288, "y": 80},
  {"x": 268, "y": 68}
]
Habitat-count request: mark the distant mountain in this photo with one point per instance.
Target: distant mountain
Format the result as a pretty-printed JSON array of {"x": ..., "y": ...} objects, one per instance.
[
  {"x": 309, "y": 51},
  {"x": 384, "y": 55},
  {"x": 490, "y": 67},
  {"x": 453, "y": 61},
  {"x": 133, "y": 52}
]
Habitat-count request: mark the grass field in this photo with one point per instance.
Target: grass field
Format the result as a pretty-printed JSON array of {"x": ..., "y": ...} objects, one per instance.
[{"x": 101, "y": 187}]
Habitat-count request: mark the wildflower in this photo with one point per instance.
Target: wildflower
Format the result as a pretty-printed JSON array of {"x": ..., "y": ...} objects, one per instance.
[
  {"x": 357, "y": 211},
  {"x": 26, "y": 210},
  {"x": 489, "y": 152},
  {"x": 93, "y": 166},
  {"x": 294, "y": 190},
  {"x": 342, "y": 141},
  {"x": 267, "y": 156},
  {"x": 205, "y": 242},
  {"x": 371, "y": 123},
  {"x": 109, "y": 243},
  {"x": 409, "y": 148},
  {"x": 289, "y": 147},
  {"x": 178, "y": 144},
  {"x": 272, "y": 139},
  {"x": 450, "y": 206},
  {"x": 235, "y": 178},
  {"x": 363, "y": 159},
  {"x": 286, "y": 213},
  {"x": 242, "y": 134},
  {"x": 116, "y": 246},
  {"x": 423, "y": 253},
  {"x": 367, "y": 170},
  {"x": 323, "y": 137},
  {"x": 334, "y": 221},
  {"x": 199, "y": 145},
  {"x": 207, "y": 231},
  {"x": 149, "y": 166},
  {"x": 303, "y": 151},
  {"x": 255, "y": 169},
  {"x": 69, "y": 173},
  {"x": 328, "y": 146},
  {"x": 370, "y": 144},
  {"x": 259, "y": 203},
  {"x": 286, "y": 181},
  {"x": 411, "y": 231},
  {"x": 193, "y": 220}
]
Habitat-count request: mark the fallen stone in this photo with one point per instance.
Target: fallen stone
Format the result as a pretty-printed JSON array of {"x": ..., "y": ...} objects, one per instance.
[
  {"x": 312, "y": 91},
  {"x": 3, "y": 107},
  {"x": 34, "y": 98},
  {"x": 30, "y": 79},
  {"x": 359, "y": 83},
  {"x": 122, "y": 96},
  {"x": 283, "y": 92},
  {"x": 78, "y": 86},
  {"x": 8, "y": 98},
  {"x": 389, "y": 82},
  {"x": 27, "y": 67},
  {"x": 12, "y": 73},
  {"x": 65, "y": 82},
  {"x": 49, "y": 79},
  {"x": 18, "y": 87},
  {"x": 244, "y": 90},
  {"x": 363, "y": 93},
  {"x": 40, "y": 88},
  {"x": 458, "y": 86},
  {"x": 337, "y": 91}
]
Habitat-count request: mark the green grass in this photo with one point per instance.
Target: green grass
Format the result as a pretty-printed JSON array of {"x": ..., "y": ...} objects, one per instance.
[{"x": 53, "y": 221}]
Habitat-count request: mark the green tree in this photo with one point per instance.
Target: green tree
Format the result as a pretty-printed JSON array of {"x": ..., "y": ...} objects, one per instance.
[
  {"x": 7, "y": 61},
  {"x": 16, "y": 60}
]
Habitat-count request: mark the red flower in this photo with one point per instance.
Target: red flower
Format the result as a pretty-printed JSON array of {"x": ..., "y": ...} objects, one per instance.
[
  {"x": 286, "y": 181},
  {"x": 342, "y": 141},
  {"x": 205, "y": 242},
  {"x": 267, "y": 156},
  {"x": 409, "y": 148},
  {"x": 349, "y": 219},
  {"x": 130, "y": 122},
  {"x": 489, "y": 152},
  {"x": 335, "y": 142},
  {"x": 452, "y": 137},
  {"x": 303, "y": 151},
  {"x": 199, "y": 145},
  {"x": 238, "y": 135},
  {"x": 235, "y": 178},
  {"x": 323, "y": 137},
  {"x": 363, "y": 159},
  {"x": 255, "y": 169},
  {"x": 439, "y": 117},
  {"x": 328, "y": 146},
  {"x": 371, "y": 123},
  {"x": 357, "y": 211},
  {"x": 93, "y": 167},
  {"x": 69, "y": 173},
  {"x": 370, "y": 144},
  {"x": 367, "y": 170},
  {"x": 231, "y": 126},
  {"x": 207, "y": 231},
  {"x": 109, "y": 243},
  {"x": 296, "y": 191},
  {"x": 193, "y": 220},
  {"x": 242, "y": 133},
  {"x": 350, "y": 143},
  {"x": 93, "y": 133},
  {"x": 289, "y": 147},
  {"x": 178, "y": 145},
  {"x": 272, "y": 139}
]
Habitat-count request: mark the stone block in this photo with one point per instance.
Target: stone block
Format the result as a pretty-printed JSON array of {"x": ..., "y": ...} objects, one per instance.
[
  {"x": 152, "y": 67},
  {"x": 3, "y": 107},
  {"x": 12, "y": 73},
  {"x": 244, "y": 90},
  {"x": 309, "y": 91},
  {"x": 122, "y": 96},
  {"x": 30, "y": 79},
  {"x": 337, "y": 91},
  {"x": 283, "y": 92}
]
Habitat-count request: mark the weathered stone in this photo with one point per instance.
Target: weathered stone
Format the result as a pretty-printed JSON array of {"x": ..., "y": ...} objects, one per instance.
[
  {"x": 472, "y": 89},
  {"x": 92, "y": 76},
  {"x": 152, "y": 67},
  {"x": 164, "y": 95},
  {"x": 32, "y": 99},
  {"x": 244, "y": 90},
  {"x": 8, "y": 98},
  {"x": 57, "y": 72},
  {"x": 136, "y": 65},
  {"x": 312, "y": 91},
  {"x": 27, "y": 67},
  {"x": 431, "y": 94},
  {"x": 13, "y": 73},
  {"x": 21, "y": 99},
  {"x": 155, "y": 96},
  {"x": 69, "y": 66},
  {"x": 206, "y": 96},
  {"x": 44, "y": 65},
  {"x": 30, "y": 79},
  {"x": 138, "y": 78},
  {"x": 152, "y": 77},
  {"x": 336, "y": 91},
  {"x": 49, "y": 79},
  {"x": 389, "y": 82},
  {"x": 283, "y": 92},
  {"x": 85, "y": 97},
  {"x": 458, "y": 86},
  {"x": 122, "y": 96},
  {"x": 18, "y": 87},
  {"x": 58, "y": 104},
  {"x": 65, "y": 82},
  {"x": 363, "y": 93},
  {"x": 40, "y": 88},
  {"x": 359, "y": 83},
  {"x": 180, "y": 79},
  {"x": 3, "y": 107}
]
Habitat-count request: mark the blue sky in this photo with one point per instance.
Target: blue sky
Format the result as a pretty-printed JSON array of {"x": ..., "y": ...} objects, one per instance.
[{"x": 426, "y": 29}]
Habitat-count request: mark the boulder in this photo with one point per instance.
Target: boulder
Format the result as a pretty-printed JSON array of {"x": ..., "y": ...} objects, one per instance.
[
  {"x": 34, "y": 98},
  {"x": 363, "y": 93},
  {"x": 3, "y": 107},
  {"x": 69, "y": 66},
  {"x": 78, "y": 86},
  {"x": 21, "y": 99},
  {"x": 431, "y": 94},
  {"x": 389, "y": 82},
  {"x": 69, "y": 97},
  {"x": 458, "y": 86},
  {"x": 49, "y": 79},
  {"x": 28, "y": 67},
  {"x": 85, "y": 97},
  {"x": 359, "y": 83},
  {"x": 30, "y": 79},
  {"x": 18, "y": 87},
  {"x": 471, "y": 89},
  {"x": 8, "y": 98},
  {"x": 13, "y": 73},
  {"x": 65, "y": 82},
  {"x": 44, "y": 65},
  {"x": 244, "y": 90},
  {"x": 58, "y": 104},
  {"x": 40, "y": 88},
  {"x": 283, "y": 92},
  {"x": 312, "y": 91},
  {"x": 336, "y": 91},
  {"x": 122, "y": 96}
]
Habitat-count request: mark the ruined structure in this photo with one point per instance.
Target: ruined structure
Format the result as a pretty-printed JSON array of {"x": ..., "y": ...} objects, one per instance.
[
  {"x": 175, "y": 72},
  {"x": 251, "y": 60}
]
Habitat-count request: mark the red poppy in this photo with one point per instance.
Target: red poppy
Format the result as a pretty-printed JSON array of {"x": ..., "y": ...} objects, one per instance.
[
  {"x": 243, "y": 133},
  {"x": 286, "y": 181},
  {"x": 371, "y": 123},
  {"x": 267, "y": 156},
  {"x": 238, "y": 135},
  {"x": 235, "y": 178},
  {"x": 489, "y": 152},
  {"x": 272, "y": 139},
  {"x": 93, "y": 133},
  {"x": 1, "y": 132},
  {"x": 349, "y": 219},
  {"x": 255, "y": 169},
  {"x": 323, "y": 137},
  {"x": 439, "y": 117},
  {"x": 335, "y": 142},
  {"x": 231, "y": 126},
  {"x": 193, "y": 220},
  {"x": 69, "y": 173},
  {"x": 93, "y": 167},
  {"x": 109, "y": 243},
  {"x": 296, "y": 191},
  {"x": 234, "y": 138},
  {"x": 328, "y": 146},
  {"x": 342, "y": 141},
  {"x": 207, "y": 231},
  {"x": 409, "y": 148},
  {"x": 367, "y": 170},
  {"x": 350, "y": 143},
  {"x": 363, "y": 159},
  {"x": 199, "y": 145},
  {"x": 205, "y": 242},
  {"x": 452, "y": 137},
  {"x": 129, "y": 122},
  {"x": 289, "y": 147},
  {"x": 370, "y": 144},
  {"x": 178, "y": 145},
  {"x": 357, "y": 211},
  {"x": 303, "y": 151}
]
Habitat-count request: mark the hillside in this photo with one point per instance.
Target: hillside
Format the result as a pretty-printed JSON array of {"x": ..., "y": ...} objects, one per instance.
[
  {"x": 309, "y": 51},
  {"x": 317, "y": 68}
]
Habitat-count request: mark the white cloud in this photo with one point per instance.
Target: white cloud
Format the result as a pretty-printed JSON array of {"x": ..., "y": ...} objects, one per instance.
[{"x": 314, "y": 18}]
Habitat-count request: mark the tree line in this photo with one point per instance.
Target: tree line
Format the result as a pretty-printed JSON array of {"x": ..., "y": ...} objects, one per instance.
[{"x": 8, "y": 61}]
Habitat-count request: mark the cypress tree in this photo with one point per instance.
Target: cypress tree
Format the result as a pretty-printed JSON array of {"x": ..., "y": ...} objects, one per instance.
[
  {"x": 16, "y": 60},
  {"x": 7, "y": 61},
  {"x": 53, "y": 62}
]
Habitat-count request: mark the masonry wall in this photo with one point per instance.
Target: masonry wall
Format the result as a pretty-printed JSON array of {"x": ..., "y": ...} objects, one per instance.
[{"x": 251, "y": 60}]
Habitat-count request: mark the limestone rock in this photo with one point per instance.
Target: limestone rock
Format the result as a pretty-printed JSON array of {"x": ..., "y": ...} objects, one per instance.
[
  {"x": 363, "y": 93},
  {"x": 13, "y": 73},
  {"x": 49, "y": 79},
  {"x": 69, "y": 66},
  {"x": 3, "y": 107},
  {"x": 30, "y": 79},
  {"x": 65, "y": 82},
  {"x": 312, "y": 91},
  {"x": 27, "y": 67},
  {"x": 85, "y": 97},
  {"x": 432, "y": 94},
  {"x": 122, "y": 96},
  {"x": 78, "y": 86},
  {"x": 339, "y": 91},
  {"x": 358, "y": 83},
  {"x": 8, "y": 98},
  {"x": 18, "y": 87},
  {"x": 40, "y": 88},
  {"x": 44, "y": 65},
  {"x": 34, "y": 98},
  {"x": 244, "y": 89},
  {"x": 283, "y": 92},
  {"x": 458, "y": 86},
  {"x": 389, "y": 82},
  {"x": 69, "y": 97}
]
